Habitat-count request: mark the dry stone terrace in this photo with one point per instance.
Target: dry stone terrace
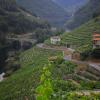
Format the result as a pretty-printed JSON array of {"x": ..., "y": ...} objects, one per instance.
[{"x": 67, "y": 54}]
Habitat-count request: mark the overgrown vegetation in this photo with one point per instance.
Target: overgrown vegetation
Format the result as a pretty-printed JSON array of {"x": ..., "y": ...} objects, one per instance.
[
  {"x": 23, "y": 82},
  {"x": 45, "y": 72},
  {"x": 57, "y": 83}
]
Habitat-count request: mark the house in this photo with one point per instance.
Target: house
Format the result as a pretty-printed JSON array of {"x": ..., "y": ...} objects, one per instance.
[
  {"x": 96, "y": 40},
  {"x": 55, "y": 39}
]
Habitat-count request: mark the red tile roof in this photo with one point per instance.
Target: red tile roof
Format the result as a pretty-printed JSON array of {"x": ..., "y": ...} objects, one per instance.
[
  {"x": 96, "y": 39},
  {"x": 96, "y": 36}
]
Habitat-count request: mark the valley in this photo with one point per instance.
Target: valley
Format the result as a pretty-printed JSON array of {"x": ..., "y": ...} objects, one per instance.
[
  {"x": 46, "y": 10},
  {"x": 40, "y": 59}
]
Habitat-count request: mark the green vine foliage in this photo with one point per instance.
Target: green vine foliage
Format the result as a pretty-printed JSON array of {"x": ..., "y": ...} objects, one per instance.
[{"x": 44, "y": 90}]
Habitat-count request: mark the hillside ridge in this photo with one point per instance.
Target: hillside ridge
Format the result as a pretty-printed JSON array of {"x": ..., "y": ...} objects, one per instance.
[
  {"x": 46, "y": 9},
  {"x": 84, "y": 14}
]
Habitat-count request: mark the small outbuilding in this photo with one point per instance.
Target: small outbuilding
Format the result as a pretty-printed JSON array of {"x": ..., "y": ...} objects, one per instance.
[{"x": 55, "y": 40}]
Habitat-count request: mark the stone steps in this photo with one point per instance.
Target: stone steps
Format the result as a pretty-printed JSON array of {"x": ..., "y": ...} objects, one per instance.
[{"x": 94, "y": 70}]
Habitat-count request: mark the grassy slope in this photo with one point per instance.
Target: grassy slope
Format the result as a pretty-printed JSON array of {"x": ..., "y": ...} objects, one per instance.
[
  {"x": 24, "y": 81},
  {"x": 82, "y": 36}
]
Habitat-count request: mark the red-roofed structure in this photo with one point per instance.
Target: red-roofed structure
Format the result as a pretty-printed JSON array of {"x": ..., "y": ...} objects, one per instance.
[{"x": 96, "y": 40}]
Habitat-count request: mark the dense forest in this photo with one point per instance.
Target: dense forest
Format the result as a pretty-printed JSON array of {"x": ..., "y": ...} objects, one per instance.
[
  {"x": 15, "y": 20},
  {"x": 47, "y": 10}
]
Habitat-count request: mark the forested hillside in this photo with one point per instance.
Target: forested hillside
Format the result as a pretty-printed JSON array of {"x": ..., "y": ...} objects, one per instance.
[
  {"x": 46, "y": 9},
  {"x": 15, "y": 20},
  {"x": 84, "y": 14},
  {"x": 70, "y": 6}
]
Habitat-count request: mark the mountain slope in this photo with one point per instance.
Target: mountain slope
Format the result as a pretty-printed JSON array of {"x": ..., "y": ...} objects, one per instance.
[
  {"x": 45, "y": 9},
  {"x": 84, "y": 14},
  {"x": 70, "y": 5},
  {"x": 17, "y": 20},
  {"x": 82, "y": 36},
  {"x": 14, "y": 20}
]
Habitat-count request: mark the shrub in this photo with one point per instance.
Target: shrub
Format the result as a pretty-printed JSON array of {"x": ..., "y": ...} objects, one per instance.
[
  {"x": 96, "y": 53},
  {"x": 44, "y": 90},
  {"x": 56, "y": 60},
  {"x": 85, "y": 55}
]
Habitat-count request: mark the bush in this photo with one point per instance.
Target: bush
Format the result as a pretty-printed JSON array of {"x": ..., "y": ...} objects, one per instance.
[
  {"x": 56, "y": 60},
  {"x": 85, "y": 55},
  {"x": 96, "y": 53},
  {"x": 15, "y": 66}
]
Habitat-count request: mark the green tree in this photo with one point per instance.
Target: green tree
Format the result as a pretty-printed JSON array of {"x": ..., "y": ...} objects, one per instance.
[{"x": 44, "y": 90}]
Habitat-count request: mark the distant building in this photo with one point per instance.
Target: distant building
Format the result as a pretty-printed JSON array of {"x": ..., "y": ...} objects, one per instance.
[
  {"x": 55, "y": 39},
  {"x": 96, "y": 40}
]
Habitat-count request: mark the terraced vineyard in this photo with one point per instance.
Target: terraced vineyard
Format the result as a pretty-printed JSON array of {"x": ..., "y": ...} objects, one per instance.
[
  {"x": 68, "y": 83},
  {"x": 89, "y": 78},
  {"x": 23, "y": 81},
  {"x": 82, "y": 37},
  {"x": 65, "y": 77}
]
